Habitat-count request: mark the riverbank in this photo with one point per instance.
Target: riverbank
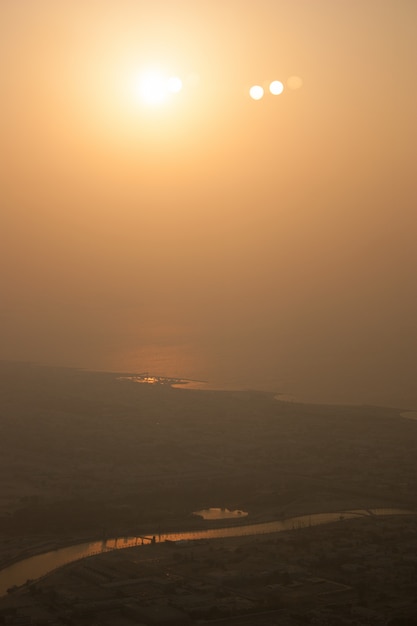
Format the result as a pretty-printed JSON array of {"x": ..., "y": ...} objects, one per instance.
[
  {"x": 333, "y": 573},
  {"x": 36, "y": 567},
  {"x": 14, "y": 549}
]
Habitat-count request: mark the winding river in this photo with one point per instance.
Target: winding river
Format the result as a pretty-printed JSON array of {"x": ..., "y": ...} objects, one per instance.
[{"x": 38, "y": 566}]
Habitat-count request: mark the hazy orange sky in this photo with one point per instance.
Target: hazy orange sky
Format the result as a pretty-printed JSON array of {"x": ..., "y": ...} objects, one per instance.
[{"x": 267, "y": 244}]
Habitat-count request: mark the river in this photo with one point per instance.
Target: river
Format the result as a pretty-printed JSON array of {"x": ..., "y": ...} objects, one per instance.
[{"x": 37, "y": 566}]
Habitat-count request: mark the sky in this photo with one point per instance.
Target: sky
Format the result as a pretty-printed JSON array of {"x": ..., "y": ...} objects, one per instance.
[{"x": 254, "y": 244}]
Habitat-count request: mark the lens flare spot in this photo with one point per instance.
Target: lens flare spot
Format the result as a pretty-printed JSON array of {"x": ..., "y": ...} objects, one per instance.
[
  {"x": 276, "y": 87},
  {"x": 256, "y": 92},
  {"x": 294, "y": 82},
  {"x": 174, "y": 84},
  {"x": 154, "y": 87}
]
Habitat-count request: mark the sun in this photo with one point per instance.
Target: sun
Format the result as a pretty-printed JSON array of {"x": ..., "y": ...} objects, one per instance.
[{"x": 154, "y": 87}]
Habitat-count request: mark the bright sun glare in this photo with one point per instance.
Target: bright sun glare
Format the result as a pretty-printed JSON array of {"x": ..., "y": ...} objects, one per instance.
[{"x": 154, "y": 87}]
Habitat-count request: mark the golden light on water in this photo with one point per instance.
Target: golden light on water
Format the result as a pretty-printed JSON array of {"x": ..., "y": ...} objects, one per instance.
[{"x": 143, "y": 164}]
